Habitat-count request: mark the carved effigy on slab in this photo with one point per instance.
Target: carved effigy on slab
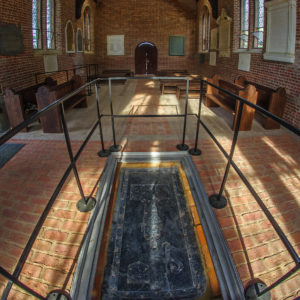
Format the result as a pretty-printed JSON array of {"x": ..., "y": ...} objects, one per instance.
[
  {"x": 152, "y": 251},
  {"x": 224, "y": 22}
]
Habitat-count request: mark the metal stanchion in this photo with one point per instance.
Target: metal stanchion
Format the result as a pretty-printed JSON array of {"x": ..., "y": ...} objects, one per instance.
[
  {"x": 195, "y": 151},
  {"x": 114, "y": 147},
  {"x": 218, "y": 200},
  {"x": 103, "y": 152},
  {"x": 183, "y": 146},
  {"x": 84, "y": 204}
]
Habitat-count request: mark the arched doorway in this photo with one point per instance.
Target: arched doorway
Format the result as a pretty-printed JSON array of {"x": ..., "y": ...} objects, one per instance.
[{"x": 145, "y": 58}]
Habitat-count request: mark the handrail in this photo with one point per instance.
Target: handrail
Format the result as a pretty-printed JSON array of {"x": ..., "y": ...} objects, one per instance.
[
  {"x": 84, "y": 202},
  {"x": 58, "y": 104},
  {"x": 219, "y": 201},
  {"x": 86, "y": 66}
]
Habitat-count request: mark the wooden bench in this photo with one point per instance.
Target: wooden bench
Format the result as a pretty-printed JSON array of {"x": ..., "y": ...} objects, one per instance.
[
  {"x": 118, "y": 72},
  {"x": 215, "y": 97},
  {"x": 169, "y": 86},
  {"x": 22, "y": 104},
  {"x": 112, "y": 73},
  {"x": 272, "y": 100},
  {"x": 46, "y": 95},
  {"x": 172, "y": 73},
  {"x": 194, "y": 89}
]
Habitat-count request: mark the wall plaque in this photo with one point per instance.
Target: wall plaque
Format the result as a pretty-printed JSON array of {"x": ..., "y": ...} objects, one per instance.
[
  {"x": 11, "y": 40},
  {"x": 213, "y": 58},
  {"x": 214, "y": 39},
  {"x": 281, "y": 30},
  {"x": 50, "y": 63},
  {"x": 244, "y": 61},
  {"x": 115, "y": 45}
]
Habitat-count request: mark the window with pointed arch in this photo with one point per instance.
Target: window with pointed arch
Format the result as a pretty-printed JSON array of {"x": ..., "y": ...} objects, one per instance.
[
  {"x": 36, "y": 24},
  {"x": 204, "y": 30},
  {"x": 50, "y": 24},
  {"x": 69, "y": 35},
  {"x": 87, "y": 29}
]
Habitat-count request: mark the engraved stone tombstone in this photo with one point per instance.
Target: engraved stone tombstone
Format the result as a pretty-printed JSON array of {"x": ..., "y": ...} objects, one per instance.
[
  {"x": 11, "y": 40},
  {"x": 224, "y": 22}
]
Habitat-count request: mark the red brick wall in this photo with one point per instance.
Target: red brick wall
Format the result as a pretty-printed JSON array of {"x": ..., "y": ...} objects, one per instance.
[
  {"x": 18, "y": 71},
  {"x": 153, "y": 21},
  {"x": 268, "y": 73}
]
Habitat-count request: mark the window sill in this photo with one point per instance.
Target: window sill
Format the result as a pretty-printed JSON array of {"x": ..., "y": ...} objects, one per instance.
[
  {"x": 45, "y": 52},
  {"x": 247, "y": 51}
]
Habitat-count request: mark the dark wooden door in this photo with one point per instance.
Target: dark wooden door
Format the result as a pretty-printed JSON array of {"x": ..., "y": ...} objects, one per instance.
[{"x": 145, "y": 58}]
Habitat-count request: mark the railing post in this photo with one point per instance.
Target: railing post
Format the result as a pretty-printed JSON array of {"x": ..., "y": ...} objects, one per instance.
[
  {"x": 87, "y": 71},
  {"x": 67, "y": 75},
  {"x": 103, "y": 152},
  {"x": 195, "y": 151},
  {"x": 183, "y": 146},
  {"x": 114, "y": 147},
  {"x": 259, "y": 290},
  {"x": 218, "y": 200},
  {"x": 84, "y": 204}
]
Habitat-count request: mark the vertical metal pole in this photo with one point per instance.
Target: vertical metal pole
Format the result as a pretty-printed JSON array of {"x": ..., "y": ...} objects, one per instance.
[
  {"x": 114, "y": 147},
  {"x": 183, "y": 146},
  {"x": 87, "y": 70},
  {"x": 218, "y": 200},
  {"x": 83, "y": 204},
  {"x": 195, "y": 150},
  {"x": 67, "y": 75},
  {"x": 103, "y": 152}
]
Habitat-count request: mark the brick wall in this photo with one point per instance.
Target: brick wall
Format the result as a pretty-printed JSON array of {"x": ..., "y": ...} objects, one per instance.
[
  {"x": 268, "y": 73},
  {"x": 139, "y": 21},
  {"x": 18, "y": 71},
  {"x": 153, "y": 21}
]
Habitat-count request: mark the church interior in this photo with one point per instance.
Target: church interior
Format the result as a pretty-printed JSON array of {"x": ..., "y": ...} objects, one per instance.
[{"x": 149, "y": 149}]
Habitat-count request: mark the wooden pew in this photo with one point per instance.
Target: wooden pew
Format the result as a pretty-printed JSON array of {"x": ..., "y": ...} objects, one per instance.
[
  {"x": 215, "y": 97},
  {"x": 272, "y": 100},
  {"x": 168, "y": 86},
  {"x": 172, "y": 73},
  {"x": 118, "y": 72},
  {"x": 22, "y": 104},
  {"x": 46, "y": 95},
  {"x": 112, "y": 73}
]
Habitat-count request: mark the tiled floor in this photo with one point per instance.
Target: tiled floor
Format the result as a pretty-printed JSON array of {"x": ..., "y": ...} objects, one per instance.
[{"x": 269, "y": 159}]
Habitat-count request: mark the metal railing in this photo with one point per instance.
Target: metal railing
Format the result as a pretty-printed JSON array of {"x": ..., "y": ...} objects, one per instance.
[
  {"x": 86, "y": 203},
  {"x": 219, "y": 201},
  {"x": 91, "y": 70}
]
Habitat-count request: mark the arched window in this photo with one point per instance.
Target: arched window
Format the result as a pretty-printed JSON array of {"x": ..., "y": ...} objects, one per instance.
[
  {"x": 36, "y": 24},
  {"x": 259, "y": 24},
  {"x": 79, "y": 40},
  {"x": 87, "y": 29},
  {"x": 69, "y": 35},
  {"x": 205, "y": 29},
  {"x": 244, "y": 35},
  {"x": 50, "y": 24}
]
